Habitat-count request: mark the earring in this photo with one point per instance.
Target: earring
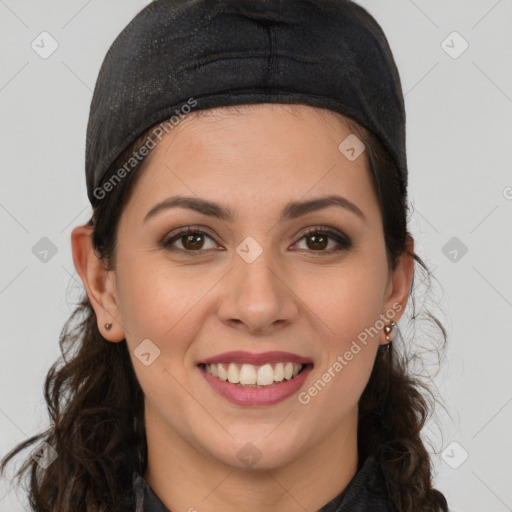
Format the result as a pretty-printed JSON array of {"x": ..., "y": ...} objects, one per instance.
[
  {"x": 108, "y": 326},
  {"x": 389, "y": 330}
]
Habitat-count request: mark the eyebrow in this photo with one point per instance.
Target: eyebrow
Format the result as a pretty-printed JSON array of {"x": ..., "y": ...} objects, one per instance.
[{"x": 292, "y": 210}]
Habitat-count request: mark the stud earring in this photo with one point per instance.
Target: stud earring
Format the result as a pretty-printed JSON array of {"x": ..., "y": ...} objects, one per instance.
[
  {"x": 108, "y": 326},
  {"x": 390, "y": 330}
]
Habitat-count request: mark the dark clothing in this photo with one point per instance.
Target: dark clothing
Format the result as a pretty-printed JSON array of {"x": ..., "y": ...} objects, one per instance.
[{"x": 365, "y": 492}]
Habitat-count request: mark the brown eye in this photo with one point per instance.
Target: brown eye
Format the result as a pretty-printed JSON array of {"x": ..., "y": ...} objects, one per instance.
[
  {"x": 194, "y": 241},
  {"x": 190, "y": 240},
  {"x": 318, "y": 240}
]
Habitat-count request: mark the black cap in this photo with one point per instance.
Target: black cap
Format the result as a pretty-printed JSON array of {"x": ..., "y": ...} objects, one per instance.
[{"x": 182, "y": 55}]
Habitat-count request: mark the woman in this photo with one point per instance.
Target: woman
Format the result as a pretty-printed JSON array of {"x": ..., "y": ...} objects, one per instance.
[{"x": 245, "y": 270}]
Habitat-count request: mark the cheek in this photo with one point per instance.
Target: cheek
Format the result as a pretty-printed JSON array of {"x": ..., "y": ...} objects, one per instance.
[
  {"x": 159, "y": 304},
  {"x": 347, "y": 307},
  {"x": 155, "y": 300},
  {"x": 346, "y": 301}
]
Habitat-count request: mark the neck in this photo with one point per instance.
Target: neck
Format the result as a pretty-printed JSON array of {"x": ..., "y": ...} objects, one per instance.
[{"x": 187, "y": 479}]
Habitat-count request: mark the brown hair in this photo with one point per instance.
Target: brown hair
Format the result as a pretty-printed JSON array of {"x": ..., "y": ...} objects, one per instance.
[{"x": 96, "y": 405}]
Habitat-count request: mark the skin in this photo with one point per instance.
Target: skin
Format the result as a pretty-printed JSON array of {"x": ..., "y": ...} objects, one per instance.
[{"x": 294, "y": 297}]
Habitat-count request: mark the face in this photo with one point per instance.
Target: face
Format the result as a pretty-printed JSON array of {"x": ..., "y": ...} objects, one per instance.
[{"x": 312, "y": 281}]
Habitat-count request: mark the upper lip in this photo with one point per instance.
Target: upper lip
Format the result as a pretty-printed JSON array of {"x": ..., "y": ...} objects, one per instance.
[{"x": 241, "y": 357}]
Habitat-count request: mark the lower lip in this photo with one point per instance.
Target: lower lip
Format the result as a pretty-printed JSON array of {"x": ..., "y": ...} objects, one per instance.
[{"x": 270, "y": 395}]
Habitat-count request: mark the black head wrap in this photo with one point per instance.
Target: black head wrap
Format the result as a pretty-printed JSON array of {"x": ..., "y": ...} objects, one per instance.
[{"x": 181, "y": 55}]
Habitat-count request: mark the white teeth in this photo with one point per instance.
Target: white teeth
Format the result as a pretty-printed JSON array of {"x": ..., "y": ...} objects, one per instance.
[
  {"x": 279, "y": 372},
  {"x": 223, "y": 374},
  {"x": 252, "y": 376},
  {"x": 233, "y": 373},
  {"x": 247, "y": 374},
  {"x": 265, "y": 375}
]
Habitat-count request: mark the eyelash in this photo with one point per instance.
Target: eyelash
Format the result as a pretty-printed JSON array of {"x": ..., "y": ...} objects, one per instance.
[{"x": 340, "y": 238}]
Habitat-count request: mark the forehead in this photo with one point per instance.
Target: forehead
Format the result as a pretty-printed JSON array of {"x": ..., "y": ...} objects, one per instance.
[{"x": 255, "y": 154}]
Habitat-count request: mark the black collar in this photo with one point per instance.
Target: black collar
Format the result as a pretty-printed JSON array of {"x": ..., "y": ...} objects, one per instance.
[{"x": 366, "y": 491}]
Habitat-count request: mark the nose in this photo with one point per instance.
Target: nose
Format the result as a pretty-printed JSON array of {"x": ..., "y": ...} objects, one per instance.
[{"x": 257, "y": 297}]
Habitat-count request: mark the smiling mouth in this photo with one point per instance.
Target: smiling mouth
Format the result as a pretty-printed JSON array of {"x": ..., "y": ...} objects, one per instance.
[{"x": 251, "y": 376}]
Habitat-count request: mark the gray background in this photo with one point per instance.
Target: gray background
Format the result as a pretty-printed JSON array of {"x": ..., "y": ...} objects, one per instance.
[{"x": 459, "y": 150}]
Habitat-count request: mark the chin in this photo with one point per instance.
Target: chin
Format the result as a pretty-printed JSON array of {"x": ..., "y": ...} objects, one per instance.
[{"x": 259, "y": 452}]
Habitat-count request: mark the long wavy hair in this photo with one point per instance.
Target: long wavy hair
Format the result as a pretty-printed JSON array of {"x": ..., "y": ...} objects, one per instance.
[{"x": 96, "y": 405}]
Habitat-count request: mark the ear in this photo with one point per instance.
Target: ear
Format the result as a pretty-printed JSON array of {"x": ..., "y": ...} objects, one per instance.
[
  {"x": 99, "y": 283},
  {"x": 399, "y": 284}
]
